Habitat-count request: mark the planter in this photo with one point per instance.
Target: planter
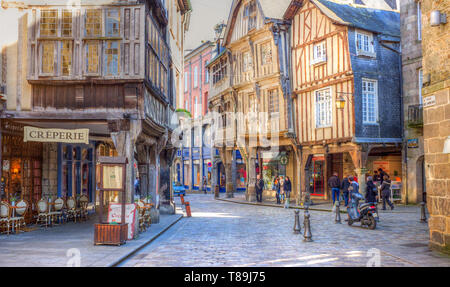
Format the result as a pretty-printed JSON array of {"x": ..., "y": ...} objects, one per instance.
[{"x": 110, "y": 234}]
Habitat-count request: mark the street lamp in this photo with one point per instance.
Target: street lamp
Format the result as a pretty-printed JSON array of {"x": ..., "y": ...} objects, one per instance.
[{"x": 340, "y": 100}]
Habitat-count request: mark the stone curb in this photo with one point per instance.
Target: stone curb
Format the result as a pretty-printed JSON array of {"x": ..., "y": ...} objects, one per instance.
[{"x": 131, "y": 253}]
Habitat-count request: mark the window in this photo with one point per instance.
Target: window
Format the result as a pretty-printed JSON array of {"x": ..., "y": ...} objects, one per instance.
[
  {"x": 319, "y": 53},
  {"x": 323, "y": 108},
  {"x": 158, "y": 64},
  {"x": 364, "y": 44},
  {"x": 248, "y": 62},
  {"x": 206, "y": 72},
  {"x": 92, "y": 57},
  {"x": 196, "y": 108},
  {"x": 112, "y": 22},
  {"x": 195, "y": 77},
  {"x": 66, "y": 58},
  {"x": 419, "y": 22},
  {"x": 266, "y": 54},
  {"x": 49, "y": 23},
  {"x": 93, "y": 24},
  {"x": 273, "y": 101},
  {"x": 253, "y": 104},
  {"x": 420, "y": 75},
  {"x": 111, "y": 58},
  {"x": 66, "y": 23},
  {"x": 250, "y": 14},
  {"x": 369, "y": 102},
  {"x": 48, "y": 57},
  {"x": 185, "y": 82},
  {"x": 219, "y": 70}
]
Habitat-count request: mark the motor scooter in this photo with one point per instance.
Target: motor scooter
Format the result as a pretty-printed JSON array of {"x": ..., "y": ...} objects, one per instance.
[{"x": 365, "y": 213}]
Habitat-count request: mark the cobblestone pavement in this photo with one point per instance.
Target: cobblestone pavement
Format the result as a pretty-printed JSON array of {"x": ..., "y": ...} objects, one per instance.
[{"x": 228, "y": 234}]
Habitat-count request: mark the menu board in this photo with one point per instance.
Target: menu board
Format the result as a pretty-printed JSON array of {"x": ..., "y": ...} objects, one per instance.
[
  {"x": 112, "y": 177},
  {"x": 115, "y": 215}
]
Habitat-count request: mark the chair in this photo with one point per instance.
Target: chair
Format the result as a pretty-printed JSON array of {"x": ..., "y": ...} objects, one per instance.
[
  {"x": 5, "y": 216},
  {"x": 72, "y": 211},
  {"x": 57, "y": 214},
  {"x": 83, "y": 210},
  {"x": 19, "y": 219},
  {"x": 43, "y": 213},
  {"x": 147, "y": 217},
  {"x": 141, "y": 209}
]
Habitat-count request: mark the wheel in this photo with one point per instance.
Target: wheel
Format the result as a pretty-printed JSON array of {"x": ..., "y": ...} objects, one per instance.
[
  {"x": 372, "y": 223},
  {"x": 350, "y": 221}
]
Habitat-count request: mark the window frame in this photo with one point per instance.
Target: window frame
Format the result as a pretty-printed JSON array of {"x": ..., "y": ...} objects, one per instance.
[
  {"x": 370, "y": 44},
  {"x": 195, "y": 77},
  {"x": 263, "y": 56},
  {"x": 105, "y": 55},
  {"x": 41, "y": 58},
  {"x": 419, "y": 21},
  {"x": 86, "y": 57},
  {"x": 328, "y": 104},
  {"x": 364, "y": 98},
  {"x": 323, "y": 53}
]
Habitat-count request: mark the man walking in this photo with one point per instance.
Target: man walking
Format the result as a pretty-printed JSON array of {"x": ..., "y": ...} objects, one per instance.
[
  {"x": 259, "y": 188},
  {"x": 335, "y": 184},
  {"x": 287, "y": 186},
  {"x": 204, "y": 184},
  {"x": 386, "y": 192},
  {"x": 344, "y": 186}
]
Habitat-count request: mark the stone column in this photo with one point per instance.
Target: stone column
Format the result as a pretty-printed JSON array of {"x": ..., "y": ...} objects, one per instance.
[
  {"x": 251, "y": 173},
  {"x": 361, "y": 174}
]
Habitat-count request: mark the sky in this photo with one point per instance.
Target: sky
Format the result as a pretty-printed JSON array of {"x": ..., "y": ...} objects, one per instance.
[{"x": 205, "y": 15}]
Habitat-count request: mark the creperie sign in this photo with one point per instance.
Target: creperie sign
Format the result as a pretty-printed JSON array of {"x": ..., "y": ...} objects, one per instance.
[{"x": 56, "y": 135}]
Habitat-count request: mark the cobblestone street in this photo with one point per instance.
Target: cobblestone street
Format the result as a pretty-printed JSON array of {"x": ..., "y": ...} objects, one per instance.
[{"x": 229, "y": 234}]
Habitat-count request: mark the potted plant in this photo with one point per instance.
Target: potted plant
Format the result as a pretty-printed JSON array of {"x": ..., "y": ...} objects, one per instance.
[
  {"x": 148, "y": 199},
  {"x": 13, "y": 199}
]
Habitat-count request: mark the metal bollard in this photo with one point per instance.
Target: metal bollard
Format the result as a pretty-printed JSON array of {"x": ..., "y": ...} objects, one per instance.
[
  {"x": 182, "y": 198},
  {"x": 307, "y": 225},
  {"x": 337, "y": 218},
  {"x": 297, "y": 228},
  {"x": 423, "y": 216},
  {"x": 188, "y": 208}
]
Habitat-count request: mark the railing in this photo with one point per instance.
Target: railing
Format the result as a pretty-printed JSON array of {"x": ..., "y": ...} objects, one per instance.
[{"x": 415, "y": 116}]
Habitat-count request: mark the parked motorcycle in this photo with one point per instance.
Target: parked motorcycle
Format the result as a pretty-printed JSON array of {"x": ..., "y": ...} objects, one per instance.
[{"x": 365, "y": 213}]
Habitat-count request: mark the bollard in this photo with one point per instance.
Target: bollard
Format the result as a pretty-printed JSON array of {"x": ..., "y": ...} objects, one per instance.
[
  {"x": 307, "y": 235},
  {"x": 182, "y": 198},
  {"x": 216, "y": 191},
  {"x": 188, "y": 208},
  {"x": 338, "y": 213},
  {"x": 423, "y": 216},
  {"x": 297, "y": 228}
]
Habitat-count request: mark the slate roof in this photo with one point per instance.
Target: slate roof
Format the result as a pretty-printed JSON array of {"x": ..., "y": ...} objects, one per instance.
[{"x": 380, "y": 21}]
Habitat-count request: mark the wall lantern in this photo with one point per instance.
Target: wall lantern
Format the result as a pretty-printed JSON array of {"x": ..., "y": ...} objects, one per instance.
[
  {"x": 340, "y": 103},
  {"x": 446, "y": 146},
  {"x": 437, "y": 18},
  {"x": 341, "y": 98}
]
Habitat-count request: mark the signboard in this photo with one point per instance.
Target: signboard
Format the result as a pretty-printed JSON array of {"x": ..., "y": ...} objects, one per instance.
[
  {"x": 112, "y": 177},
  {"x": 429, "y": 101},
  {"x": 413, "y": 143},
  {"x": 115, "y": 213},
  {"x": 55, "y": 135}
]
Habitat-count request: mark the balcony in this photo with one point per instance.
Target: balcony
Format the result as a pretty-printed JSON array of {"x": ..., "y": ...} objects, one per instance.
[{"x": 415, "y": 116}]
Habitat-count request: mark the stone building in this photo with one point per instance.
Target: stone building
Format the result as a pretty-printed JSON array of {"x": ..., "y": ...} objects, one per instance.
[
  {"x": 413, "y": 150},
  {"x": 436, "y": 118},
  {"x": 109, "y": 67}
]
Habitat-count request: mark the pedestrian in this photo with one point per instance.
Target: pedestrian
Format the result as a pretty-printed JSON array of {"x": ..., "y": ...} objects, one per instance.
[
  {"x": 259, "y": 187},
  {"x": 344, "y": 186},
  {"x": 354, "y": 184},
  {"x": 371, "y": 190},
  {"x": 205, "y": 183},
  {"x": 376, "y": 176},
  {"x": 386, "y": 192},
  {"x": 137, "y": 188},
  {"x": 334, "y": 183},
  {"x": 282, "y": 194},
  {"x": 276, "y": 186},
  {"x": 381, "y": 173},
  {"x": 287, "y": 191}
]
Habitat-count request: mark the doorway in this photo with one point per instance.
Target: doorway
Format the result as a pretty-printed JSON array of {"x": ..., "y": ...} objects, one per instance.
[{"x": 318, "y": 176}]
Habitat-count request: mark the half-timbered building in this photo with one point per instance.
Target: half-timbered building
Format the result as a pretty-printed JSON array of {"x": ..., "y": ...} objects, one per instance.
[
  {"x": 105, "y": 66},
  {"x": 345, "y": 76}
]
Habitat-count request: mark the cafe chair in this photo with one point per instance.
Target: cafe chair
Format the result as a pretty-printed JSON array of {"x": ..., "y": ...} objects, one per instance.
[
  {"x": 5, "y": 217},
  {"x": 43, "y": 212},
  {"x": 72, "y": 211},
  {"x": 19, "y": 217},
  {"x": 83, "y": 210},
  {"x": 57, "y": 214}
]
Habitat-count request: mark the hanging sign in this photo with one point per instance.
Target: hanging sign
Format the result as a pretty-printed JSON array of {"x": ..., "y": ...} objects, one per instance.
[
  {"x": 413, "y": 143},
  {"x": 33, "y": 134}
]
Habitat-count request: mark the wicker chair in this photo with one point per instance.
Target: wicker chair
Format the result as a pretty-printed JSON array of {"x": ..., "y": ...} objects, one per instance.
[
  {"x": 83, "y": 211},
  {"x": 147, "y": 217},
  {"x": 141, "y": 211},
  {"x": 72, "y": 211},
  {"x": 19, "y": 219},
  {"x": 43, "y": 214},
  {"x": 57, "y": 214},
  {"x": 5, "y": 217}
]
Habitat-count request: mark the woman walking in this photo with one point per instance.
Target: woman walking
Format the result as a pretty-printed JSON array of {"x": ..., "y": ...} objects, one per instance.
[
  {"x": 371, "y": 190},
  {"x": 287, "y": 191},
  {"x": 276, "y": 185},
  {"x": 386, "y": 192}
]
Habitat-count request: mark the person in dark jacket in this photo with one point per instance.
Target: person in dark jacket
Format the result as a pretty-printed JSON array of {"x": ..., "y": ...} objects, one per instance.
[
  {"x": 287, "y": 190},
  {"x": 344, "y": 186},
  {"x": 259, "y": 186},
  {"x": 371, "y": 190},
  {"x": 276, "y": 185},
  {"x": 386, "y": 192},
  {"x": 335, "y": 184},
  {"x": 382, "y": 173}
]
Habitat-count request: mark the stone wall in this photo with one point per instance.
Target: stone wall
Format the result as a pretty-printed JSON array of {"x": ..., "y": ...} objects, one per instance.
[
  {"x": 436, "y": 52},
  {"x": 50, "y": 169}
]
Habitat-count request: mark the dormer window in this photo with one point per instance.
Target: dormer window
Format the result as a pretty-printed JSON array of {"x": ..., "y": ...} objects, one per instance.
[
  {"x": 319, "y": 54},
  {"x": 364, "y": 44},
  {"x": 250, "y": 14}
]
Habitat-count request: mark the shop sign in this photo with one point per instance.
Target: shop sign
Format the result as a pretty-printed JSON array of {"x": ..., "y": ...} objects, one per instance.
[
  {"x": 284, "y": 160},
  {"x": 56, "y": 135},
  {"x": 413, "y": 143},
  {"x": 429, "y": 101}
]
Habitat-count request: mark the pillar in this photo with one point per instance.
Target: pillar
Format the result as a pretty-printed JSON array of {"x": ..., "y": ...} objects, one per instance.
[
  {"x": 251, "y": 173},
  {"x": 229, "y": 174}
]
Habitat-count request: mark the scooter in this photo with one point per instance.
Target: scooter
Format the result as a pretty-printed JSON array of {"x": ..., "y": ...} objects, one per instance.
[{"x": 365, "y": 213}]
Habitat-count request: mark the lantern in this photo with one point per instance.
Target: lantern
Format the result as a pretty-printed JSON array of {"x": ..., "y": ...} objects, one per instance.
[{"x": 340, "y": 103}]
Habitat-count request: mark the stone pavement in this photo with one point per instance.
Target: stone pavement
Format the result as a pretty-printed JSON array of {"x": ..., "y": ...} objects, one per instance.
[
  {"x": 222, "y": 233},
  {"x": 49, "y": 247}
]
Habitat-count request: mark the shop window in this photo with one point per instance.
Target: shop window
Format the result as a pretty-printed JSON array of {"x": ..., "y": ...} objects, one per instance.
[
  {"x": 66, "y": 58},
  {"x": 93, "y": 22},
  {"x": 111, "y": 58},
  {"x": 49, "y": 23}
]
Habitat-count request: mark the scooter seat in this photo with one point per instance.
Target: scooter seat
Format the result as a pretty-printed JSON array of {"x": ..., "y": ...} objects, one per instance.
[{"x": 365, "y": 204}]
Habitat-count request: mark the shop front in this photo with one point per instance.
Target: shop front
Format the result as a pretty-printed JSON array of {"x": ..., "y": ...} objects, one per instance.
[
  {"x": 273, "y": 165},
  {"x": 207, "y": 172}
]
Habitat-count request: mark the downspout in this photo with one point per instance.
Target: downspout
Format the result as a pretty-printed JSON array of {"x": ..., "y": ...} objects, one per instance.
[{"x": 404, "y": 145}]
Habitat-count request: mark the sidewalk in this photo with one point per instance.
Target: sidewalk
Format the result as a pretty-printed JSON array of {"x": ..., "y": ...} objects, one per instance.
[
  {"x": 49, "y": 247},
  {"x": 318, "y": 205}
]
